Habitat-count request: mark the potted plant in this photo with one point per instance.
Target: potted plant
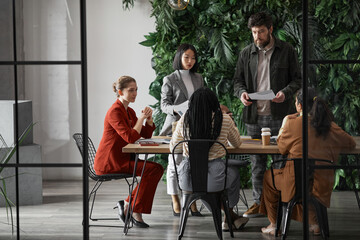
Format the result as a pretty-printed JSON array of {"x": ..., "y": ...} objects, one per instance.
[{"x": 4, "y": 159}]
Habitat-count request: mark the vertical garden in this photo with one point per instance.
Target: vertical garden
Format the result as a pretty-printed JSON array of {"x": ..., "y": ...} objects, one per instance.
[{"x": 218, "y": 29}]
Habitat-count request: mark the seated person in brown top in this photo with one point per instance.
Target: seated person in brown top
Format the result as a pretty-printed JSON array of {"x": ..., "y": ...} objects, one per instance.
[{"x": 325, "y": 141}]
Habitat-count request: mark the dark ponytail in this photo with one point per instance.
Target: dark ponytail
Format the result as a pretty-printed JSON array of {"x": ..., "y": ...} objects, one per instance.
[
  {"x": 321, "y": 117},
  {"x": 311, "y": 95}
]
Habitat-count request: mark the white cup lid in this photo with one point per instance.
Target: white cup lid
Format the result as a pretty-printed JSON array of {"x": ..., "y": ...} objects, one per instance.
[
  {"x": 266, "y": 130},
  {"x": 266, "y": 134}
]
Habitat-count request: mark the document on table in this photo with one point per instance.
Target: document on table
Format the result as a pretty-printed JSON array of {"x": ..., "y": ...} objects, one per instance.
[
  {"x": 154, "y": 140},
  {"x": 182, "y": 108},
  {"x": 265, "y": 95}
]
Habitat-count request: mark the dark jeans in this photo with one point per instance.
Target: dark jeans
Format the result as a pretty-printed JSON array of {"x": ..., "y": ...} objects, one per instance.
[{"x": 258, "y": 162}]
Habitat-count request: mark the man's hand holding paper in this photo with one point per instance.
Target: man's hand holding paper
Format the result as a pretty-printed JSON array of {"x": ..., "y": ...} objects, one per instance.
[
  {"x": 264, "y": 95},
  {"x": 279, "y": 98}
]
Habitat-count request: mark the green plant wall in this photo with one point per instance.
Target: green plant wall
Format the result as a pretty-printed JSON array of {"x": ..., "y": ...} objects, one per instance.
[{"x": 218, "y": 30}]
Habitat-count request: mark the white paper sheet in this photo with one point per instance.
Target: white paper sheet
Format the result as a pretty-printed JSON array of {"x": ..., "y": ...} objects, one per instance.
[
  {"x": 155, "y": 140},
  {"x": 182, "y": 108},
  {"x": 265, "y": 95}
]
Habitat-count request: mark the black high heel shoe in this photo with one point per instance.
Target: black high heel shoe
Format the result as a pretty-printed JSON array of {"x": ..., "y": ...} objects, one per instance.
[
  {"x": 120, "y": 207},
  {"x": 175, "y": 213},
  {"x": 139, "y": 224},
  {"x": 196, "y": 214}
]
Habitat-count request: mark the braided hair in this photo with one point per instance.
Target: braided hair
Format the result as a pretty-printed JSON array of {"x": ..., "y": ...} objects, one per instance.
[{"x": 203, "y": 119}]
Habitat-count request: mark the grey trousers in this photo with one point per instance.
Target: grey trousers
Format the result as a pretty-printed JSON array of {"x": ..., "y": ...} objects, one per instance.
[
  {"x": 216, "y": 178},
  {"x": 258, "y": 162},
  {"x": 171, "y": 182}
]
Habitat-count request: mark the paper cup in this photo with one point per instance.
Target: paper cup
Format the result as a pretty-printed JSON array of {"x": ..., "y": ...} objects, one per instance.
[{"x": 265, "y": 138}]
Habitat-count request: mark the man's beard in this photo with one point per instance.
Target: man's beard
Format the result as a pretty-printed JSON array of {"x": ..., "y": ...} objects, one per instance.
[{"x": 264, "y": 44}]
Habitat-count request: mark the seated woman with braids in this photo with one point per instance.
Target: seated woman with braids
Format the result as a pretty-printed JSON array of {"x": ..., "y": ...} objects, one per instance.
[
  {"x": 205, "y": 120},
  {"x": 325, "y": 141}
]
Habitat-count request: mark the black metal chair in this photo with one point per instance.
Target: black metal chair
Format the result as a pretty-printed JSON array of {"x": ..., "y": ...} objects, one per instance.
[
  {"x": 199, "y": 159},
  {"x": 78, "y": 137},
  {"x": 285, "y": 208},
  {"x": 240, "y": 161}
]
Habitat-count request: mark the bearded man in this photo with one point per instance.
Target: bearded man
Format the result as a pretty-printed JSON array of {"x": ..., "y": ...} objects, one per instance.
[{"x": 266, "y": 64}]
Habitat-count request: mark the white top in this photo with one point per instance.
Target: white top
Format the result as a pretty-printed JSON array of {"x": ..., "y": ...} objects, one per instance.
[{"x": 185, "y": 76}]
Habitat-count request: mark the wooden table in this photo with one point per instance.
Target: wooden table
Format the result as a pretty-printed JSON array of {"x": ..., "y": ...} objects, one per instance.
[{"x": 247, "y": 147}]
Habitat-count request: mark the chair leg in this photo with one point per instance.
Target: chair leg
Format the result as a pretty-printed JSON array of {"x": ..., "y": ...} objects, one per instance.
[
  {"x": 214, "y": 201},
  {"x": 325, "y": 222},
  {"x": 186, "y": 202},
  {"x": 279, "y": 217},
  {"x": 322, "y": 217},
  {"x": 92, "y": 205},
  {"x": 225, "y": 203},
  {"x": 93, "y": 192},
  {"x": 243, "y": 198},
  {"x": 217, "y": 222},
  {"x": 286, "y": 218}
]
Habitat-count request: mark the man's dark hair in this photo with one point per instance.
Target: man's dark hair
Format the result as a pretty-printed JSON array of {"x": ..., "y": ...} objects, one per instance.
[{"x": 260, "y": 19}]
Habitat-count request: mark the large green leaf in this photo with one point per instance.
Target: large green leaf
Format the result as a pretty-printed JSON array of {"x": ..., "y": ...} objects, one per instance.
[{"x": 222, "y": 50}]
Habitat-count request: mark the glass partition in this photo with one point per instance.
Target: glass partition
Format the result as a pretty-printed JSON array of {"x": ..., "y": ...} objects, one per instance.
[{"x": 51, "y": 30}]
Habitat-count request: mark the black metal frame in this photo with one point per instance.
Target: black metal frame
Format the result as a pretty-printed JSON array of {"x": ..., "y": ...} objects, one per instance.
[
  {"x": 99, "y": 179},
  {"x": 84, "y": 112},
  {"x": 199, "y": 186},
  {"x": 83, "y": 63},
  {"x": 305, "y": 65}
]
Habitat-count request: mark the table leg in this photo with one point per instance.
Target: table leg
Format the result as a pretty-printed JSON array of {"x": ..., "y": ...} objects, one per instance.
[
  {"x": 356, "y": 191},
  {"x": 128, "y": 217}
]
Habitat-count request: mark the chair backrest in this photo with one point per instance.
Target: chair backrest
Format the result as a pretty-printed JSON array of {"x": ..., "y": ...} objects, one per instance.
[
  {"x": 78, "y": 137},
  {"x": 298, "y": 173},
  {"x": 199, "y": 159},
  {"x": 298, "y": 177},
  {"x": 2, "y": 142}
]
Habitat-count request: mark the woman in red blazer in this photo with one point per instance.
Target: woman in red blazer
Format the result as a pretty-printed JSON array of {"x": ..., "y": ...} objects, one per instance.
[{"x": 121, "y": 126}]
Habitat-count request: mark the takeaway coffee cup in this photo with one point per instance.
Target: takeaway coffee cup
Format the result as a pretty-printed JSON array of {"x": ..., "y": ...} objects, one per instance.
[{"x": 265, "y": 136}]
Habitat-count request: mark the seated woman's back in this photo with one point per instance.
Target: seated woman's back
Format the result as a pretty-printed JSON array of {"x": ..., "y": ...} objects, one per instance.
[
  {"x": 228, "y": 134},
  {"x": 320, "y": 147},
  {"x": 325, "y": 141},
  {"x": 205, "y": 120}
]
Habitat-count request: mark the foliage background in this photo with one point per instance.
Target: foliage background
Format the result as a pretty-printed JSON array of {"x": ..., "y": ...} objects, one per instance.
[{"x": 218, "y": 30}]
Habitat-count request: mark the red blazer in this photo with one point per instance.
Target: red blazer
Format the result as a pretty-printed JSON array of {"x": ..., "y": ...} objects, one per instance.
[{"x": 118, "y": 132}]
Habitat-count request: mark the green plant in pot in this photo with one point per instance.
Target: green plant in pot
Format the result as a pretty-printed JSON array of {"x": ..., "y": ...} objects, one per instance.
[{"x": 5, "y": 156}]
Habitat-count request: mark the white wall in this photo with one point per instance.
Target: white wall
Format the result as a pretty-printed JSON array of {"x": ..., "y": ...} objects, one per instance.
[
  {"x": 51, "y": 29},
  {"x": 113, "y": 51}
]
